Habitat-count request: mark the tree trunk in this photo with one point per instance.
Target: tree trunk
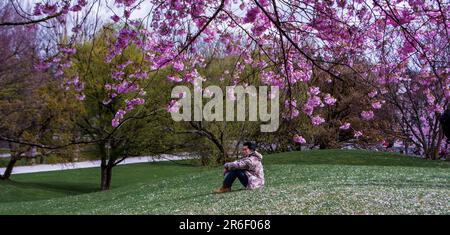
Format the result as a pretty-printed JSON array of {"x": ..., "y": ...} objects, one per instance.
[
  {"x": 106, "y": 174},
  {"x": 439, "y": 144},
  {"x": 9, "y": 168},
  {"x": 322, "y": 145},
  {"x": 431, "y": 153},
  {"x": 405, "y": 144},
  {"x": 105, "y": 167},
  {"x": 223, "y": 156}
]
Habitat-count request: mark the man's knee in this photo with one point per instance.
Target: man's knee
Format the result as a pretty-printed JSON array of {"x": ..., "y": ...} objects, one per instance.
[
  {"x": 232, "y": 172},
  {"x": 238, "y": 171}
]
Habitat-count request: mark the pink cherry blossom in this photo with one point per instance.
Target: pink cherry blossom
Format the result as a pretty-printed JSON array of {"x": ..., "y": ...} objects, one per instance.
[
  {"x": 130, "y": 104},
  {"x": 317, "y": 120},
  {"x": 376, "y": 105},
  {"x": 373, "y": 94},
  {"x": 174, "y": 78},
  {"x": 345, "y": 126},
  {"x": 251, "y": 15},
  {"x": 299, "y": 139},
  {"x": 173, "y": 106},
  {"x": 367, "y": 115},
  {"x": 314, "y": 90},
  {"x": 329, "y": 100},
  {"x": 115, "y": 18},
  {"x": 118, "y": 117}
]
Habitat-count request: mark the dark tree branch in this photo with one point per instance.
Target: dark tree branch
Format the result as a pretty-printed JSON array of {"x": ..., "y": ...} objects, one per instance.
[{"x": 30, "y": 21}]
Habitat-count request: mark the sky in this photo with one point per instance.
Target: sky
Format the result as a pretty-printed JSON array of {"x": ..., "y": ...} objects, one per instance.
[{"x": 106, "y": 9}]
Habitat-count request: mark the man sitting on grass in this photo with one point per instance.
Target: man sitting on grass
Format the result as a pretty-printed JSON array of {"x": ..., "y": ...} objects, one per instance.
[{"x": 249, "y": 170}]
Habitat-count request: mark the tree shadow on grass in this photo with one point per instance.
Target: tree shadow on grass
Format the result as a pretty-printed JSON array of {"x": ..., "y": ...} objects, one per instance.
[{"x": 69, "y": 188}]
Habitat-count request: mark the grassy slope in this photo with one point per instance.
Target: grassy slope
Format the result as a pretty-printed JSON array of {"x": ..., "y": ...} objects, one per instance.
[{"x": 315, "y": 182}]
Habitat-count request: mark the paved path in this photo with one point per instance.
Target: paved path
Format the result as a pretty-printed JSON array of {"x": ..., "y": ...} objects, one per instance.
[
  {"x": 91, "y": 164},
  {"x": 5, "y": 155}
]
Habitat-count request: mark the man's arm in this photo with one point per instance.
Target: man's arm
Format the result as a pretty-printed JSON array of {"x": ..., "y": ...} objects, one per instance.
[{"x": 243, "y": 164}]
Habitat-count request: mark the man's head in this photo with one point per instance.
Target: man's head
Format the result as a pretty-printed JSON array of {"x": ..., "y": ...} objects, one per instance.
[{"x": 248, "y": 148}]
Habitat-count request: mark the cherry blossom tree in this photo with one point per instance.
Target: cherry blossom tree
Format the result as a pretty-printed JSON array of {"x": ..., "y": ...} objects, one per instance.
[
  {"x": 285, "y": 40},
  {"x": 33, "y": 111}
]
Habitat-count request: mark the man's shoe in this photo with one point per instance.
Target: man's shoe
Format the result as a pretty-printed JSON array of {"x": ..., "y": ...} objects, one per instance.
[{"x": 222, "y": 190}]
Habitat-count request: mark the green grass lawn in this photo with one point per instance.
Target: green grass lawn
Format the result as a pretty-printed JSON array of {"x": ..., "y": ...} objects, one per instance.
[{"x": 313, "y": 182}]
